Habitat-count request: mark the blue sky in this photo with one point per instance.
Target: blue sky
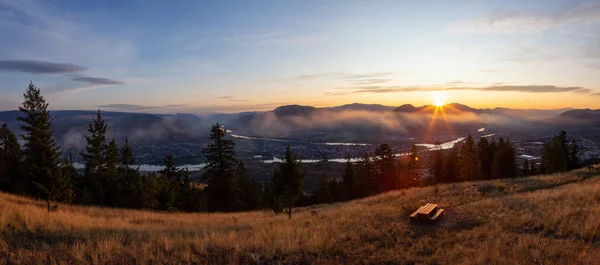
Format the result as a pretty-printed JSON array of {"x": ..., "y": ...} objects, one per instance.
[{"x": 227, "y": 56}]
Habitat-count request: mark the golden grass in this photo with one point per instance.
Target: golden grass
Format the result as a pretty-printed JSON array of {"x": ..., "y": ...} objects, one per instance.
[{"x": 536, "y": 220}]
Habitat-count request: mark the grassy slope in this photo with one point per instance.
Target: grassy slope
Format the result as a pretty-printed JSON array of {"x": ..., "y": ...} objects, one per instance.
[{"x": 537, "y": 220}]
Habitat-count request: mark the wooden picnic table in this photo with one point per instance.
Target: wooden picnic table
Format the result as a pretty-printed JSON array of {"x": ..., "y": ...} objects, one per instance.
[{"x": 429, "y": 213}]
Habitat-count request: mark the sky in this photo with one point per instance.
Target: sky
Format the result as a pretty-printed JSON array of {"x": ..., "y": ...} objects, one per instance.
[{"x": 231, "y": 56}]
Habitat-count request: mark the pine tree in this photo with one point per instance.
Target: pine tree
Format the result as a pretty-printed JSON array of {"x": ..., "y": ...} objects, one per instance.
[
  {"x": 414, "y": 174},
  {"x": 451, "y": 166},
  {"x": 486, "y": 150},
  {"x": 288, "y": 180},
  {"x": 251, "y": 192},
  {"x": 469, "y": 161},
  {"x": 348, "y": 179},
  {"x": 112, "y": 182},
  {"x": 11, "y": 158},
  {"x": 192, "y": 198},
  {"x": 437, "y": 166},
  {"x": 130, "y": 178},
  {"x": 95, "y": 158},
  {"x": 386, "y": 168},
  {"x": 323, "y": 192},
  {"x": 504, "y": 165},
  {"x": 220, "y": 174},
  {"x": 169, "y": 184},
  {"x": 41, "y": 171},
  {"x": 573, "y": 160},
  {"x": 554, "y": 157},
  {"x": 366, "y": 178}
]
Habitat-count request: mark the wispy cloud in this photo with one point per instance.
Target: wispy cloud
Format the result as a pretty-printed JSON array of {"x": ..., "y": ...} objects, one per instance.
[
  {"x": 97, "y": 80},
  {"x": 358, "y": 79},
  {"x": 232, "y": 98},
  {"x": 39, "y": 67},
  {"x": 496, "y": 88},
  {"x": 135, "y": 107},
  {"x": 520, "y": 21}
]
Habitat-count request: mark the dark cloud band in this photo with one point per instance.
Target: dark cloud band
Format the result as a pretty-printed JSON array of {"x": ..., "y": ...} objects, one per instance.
[{"x": 39, "y": 67}]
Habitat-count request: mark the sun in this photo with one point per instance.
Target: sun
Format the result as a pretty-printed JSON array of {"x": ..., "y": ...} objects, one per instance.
[{"x": 439, "y": 99}]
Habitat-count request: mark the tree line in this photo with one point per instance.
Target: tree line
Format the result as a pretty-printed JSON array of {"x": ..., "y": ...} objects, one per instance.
[
  {"x": 110, "y": 179},
  {"x": 487, "y": 159}
]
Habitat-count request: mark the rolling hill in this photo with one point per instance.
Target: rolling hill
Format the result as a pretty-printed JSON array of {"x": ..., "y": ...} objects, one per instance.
[
  {"x": 351, "y": 122},
  {"x": 549, "y": 219}
]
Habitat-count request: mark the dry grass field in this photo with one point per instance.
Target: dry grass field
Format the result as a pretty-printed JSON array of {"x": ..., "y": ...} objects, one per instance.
[{"x": 536, "y": 220}]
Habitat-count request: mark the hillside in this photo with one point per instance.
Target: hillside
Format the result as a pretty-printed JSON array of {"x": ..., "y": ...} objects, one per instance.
[{"x": 535, "y": 220}]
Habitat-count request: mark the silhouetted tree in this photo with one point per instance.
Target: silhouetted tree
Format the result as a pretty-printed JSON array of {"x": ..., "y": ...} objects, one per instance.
[
  {"x": 112, "y": 179},
  {"x": 367, "y": 183},
  {"x": 386, "y": 168},
  {"x": 436, "y": 167},
  {"x": 555, "y": 156},
  {"x": 251, "y": 192},
  {"x": 221, "y": 172},
  {"x": 95, "y": 158},
  {"x": 486, "y": 150},
  {"x": 451, "y": 166},
  {"x": 11, "y": 158},
  {"x": 414, "y": 173},
  {"x": 323, "y": 192},
  {"x": 470, "y": 167},
  {"x": 40, "y": 151},
  {"x": 504, "y": 165},
  {"x": 168, "y": 185},
  {"x": 348, "y": 179},
  {"x": 288, "y": 179}
]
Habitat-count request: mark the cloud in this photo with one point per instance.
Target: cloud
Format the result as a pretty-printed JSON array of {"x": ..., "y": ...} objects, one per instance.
[
  {"x": 359, "y": 79},
  {"x": 39, "y": 67},
  {"x": 126, "y": 106},
  {"x": 232, "y": 98},
  {"x": 497, "y": 88},
  {"x": 520, "y": 21},
  {"x": 135, "y": 107},
  {"x": 97, "y": 80}
]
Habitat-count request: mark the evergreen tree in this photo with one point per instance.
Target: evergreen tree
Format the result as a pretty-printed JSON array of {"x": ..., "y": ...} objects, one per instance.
[
  {"x": 554, "y": 157},
  {"x": 192, "y": 198},
  {"x": 573, "y": 160},
  {"x": 451, "y": 166},
  {"x": 470, "y": 167},
  {"x": 348, "y": 179},
  {"x": 130, "y": 178},
  {"x": 323, "y": 192},
  {"x": 504, "y": 165},
  {"x": 287, "y": 180},
  {"x": 337, "y": 190},
  {"x": 11, "y": 158},
  {"x": 386, "y": 168},
  {"x": 251, "y": 192},
  {"x": 367, "y": 183},
  {"x": 41, "y": 171},
  {"x": 223, "y": 191},
  {"x": 414, "y": 174},
  {"x": 95, "y": 159},
  {"x": 436, "y": 167},
  {"x": 486, "y": 150},
  {"x": 168, "y": 185},
  {"x": 112, "y": 191}
]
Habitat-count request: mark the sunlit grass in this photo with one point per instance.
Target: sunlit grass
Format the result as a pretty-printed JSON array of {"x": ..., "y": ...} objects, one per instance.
[{"x": 522, "y": 221}]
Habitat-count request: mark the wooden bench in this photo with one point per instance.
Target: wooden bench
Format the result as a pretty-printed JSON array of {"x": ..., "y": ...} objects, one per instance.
[{"x": 429, "y": 213}]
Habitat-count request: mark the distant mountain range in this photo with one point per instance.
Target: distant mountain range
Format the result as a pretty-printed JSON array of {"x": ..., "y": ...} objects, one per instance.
[{"x": 356, "y": 122}]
